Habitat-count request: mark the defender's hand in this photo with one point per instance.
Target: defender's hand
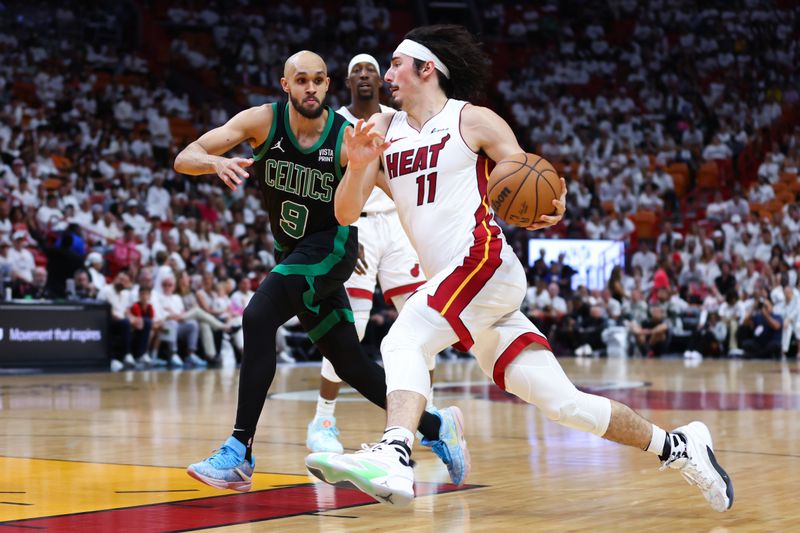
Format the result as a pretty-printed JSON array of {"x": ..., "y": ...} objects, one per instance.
[
  {"x": 363, "y": 145},
  {"x": 361, "y": 262},
  {"x": 232, "y": 170}
]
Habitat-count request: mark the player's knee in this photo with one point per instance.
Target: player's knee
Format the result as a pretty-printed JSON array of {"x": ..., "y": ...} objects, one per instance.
[{"x": 584, "y": 412}]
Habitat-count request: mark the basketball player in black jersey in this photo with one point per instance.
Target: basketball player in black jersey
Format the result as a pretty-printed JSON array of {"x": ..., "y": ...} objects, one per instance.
[{"x": 298, "y": 161}]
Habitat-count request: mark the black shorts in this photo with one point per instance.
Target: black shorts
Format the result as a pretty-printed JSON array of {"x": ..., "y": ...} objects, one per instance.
[{"x": 315, "y": 270}]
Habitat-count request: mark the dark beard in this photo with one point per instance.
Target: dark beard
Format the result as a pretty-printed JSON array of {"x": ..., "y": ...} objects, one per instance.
[
  {"x": 306, "y": 112},
  {"x": 365, "y": 97}
]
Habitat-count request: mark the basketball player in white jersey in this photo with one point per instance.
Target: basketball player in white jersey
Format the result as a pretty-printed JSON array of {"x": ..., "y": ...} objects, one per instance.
[
  {"x": 433, "y": 158},
  {"x": 388, "y": 255}
]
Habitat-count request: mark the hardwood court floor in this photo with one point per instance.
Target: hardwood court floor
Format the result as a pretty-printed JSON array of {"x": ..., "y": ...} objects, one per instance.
[{"x": 114, "y": 447}]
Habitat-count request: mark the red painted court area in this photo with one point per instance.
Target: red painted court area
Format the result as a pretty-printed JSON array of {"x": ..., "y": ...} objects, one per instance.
[{"x": 215, "y": 512}]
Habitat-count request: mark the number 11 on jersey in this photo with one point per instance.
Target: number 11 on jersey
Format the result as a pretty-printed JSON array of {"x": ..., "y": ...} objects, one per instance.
[{"x": 430, "y": 180}]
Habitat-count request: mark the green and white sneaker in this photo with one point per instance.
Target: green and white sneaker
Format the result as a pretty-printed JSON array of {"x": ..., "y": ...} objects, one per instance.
[{"x": 381, "y": 470}]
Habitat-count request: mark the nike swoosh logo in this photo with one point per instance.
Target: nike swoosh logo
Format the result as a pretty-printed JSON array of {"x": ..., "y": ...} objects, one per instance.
[{"x": 397, "y": 139}]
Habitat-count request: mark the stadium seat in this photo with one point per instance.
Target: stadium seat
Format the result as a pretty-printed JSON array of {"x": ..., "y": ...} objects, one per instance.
[
  {"x": 708, "y": 176},
  {"x": 646, "y": 223}
]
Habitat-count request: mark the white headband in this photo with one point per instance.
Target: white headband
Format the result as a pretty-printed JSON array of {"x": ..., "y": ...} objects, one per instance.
[
  {"x": 363, "y": 58},
  {"x": 423, "y": 53}
]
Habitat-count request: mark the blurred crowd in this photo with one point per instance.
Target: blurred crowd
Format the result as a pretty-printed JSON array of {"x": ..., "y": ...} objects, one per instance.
[{"x": 674, "y": 125}]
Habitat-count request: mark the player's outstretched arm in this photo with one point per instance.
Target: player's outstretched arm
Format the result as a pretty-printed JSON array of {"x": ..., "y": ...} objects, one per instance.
[
  {"x": 204, "y": 156},
  {"x": 484, "y": 130},
  {"x": 363, "y": 146}
]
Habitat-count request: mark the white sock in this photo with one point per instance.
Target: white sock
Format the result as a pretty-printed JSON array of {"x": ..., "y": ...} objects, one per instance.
[
  {"x": 398, "y": 433},
  {"x": 325, "y": 407},
  {"x": 657, "y": 441}
]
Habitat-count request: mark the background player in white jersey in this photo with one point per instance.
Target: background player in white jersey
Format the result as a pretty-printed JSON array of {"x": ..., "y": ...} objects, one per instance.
[
  {"x": 435, "y": 162},
  {"x": 388, "y": 255}
]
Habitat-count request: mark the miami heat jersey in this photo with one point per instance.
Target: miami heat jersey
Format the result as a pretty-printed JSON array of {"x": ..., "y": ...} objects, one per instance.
[
  {"x": 439, "y": 187},
  {"x": 377, "y": 202}
]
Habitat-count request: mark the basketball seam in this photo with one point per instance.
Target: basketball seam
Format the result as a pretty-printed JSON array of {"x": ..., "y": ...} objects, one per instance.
[
  {"x": 552, "y": 189},
  {"x": 521, "y": 185},
  {"x": 498, "y": 180}
]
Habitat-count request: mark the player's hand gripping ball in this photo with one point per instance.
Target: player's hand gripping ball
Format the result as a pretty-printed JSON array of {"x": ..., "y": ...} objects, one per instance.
[{"x": 525, "y": 190}]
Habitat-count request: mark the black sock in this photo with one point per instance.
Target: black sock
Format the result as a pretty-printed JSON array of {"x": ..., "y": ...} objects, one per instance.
[
  {"x": 429, "y": 426},
  {"x": 245, "y": 438}
]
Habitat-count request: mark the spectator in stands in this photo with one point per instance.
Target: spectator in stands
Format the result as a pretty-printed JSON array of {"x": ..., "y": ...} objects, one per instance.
[
  {"x": 125, "y": 252},
  {"x": 763, "y": 192},
  {"x": 738, "y": 206},
  {"x": 667, "y": 236},
  {"x": 718, "y": 209},
  {"x": 142, "y": 319},
  {"x": 84, "y": 290},
  {"x": 626, "y": 201},
  {"x": 20, "y": 258},
  {"x": 171, "y": 312},
  {"x": 117, "y": 294},
  {"x": 620, "y": 227},
  {"x": 94, "y": 264},
  {"x": 36, "y": 289},
  {"x": 5, "y": 263},
  {"x": 207, "y": 322},
  {"x": 62, "y": 262},
  {"x": 708, "y": 339},
  {"x": 652, "y": 334},
  {"x": 49, "y": 214},
  {"x": 644, "y": 258},
  {"x": 717, "y": 150},
  {"x": 615, "y": 287},
  {"x": 595, "y": 227},
  {"x": 648, "y": 200},
  {"x": 131, "y": 217},
  {"x": 789, "y": 309},
  {"x": 767, "y": 328}
]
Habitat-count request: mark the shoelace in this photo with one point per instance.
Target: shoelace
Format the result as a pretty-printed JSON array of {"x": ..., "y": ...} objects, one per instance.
[
  {"x": 224, "y": 457},
  {"x": 690, "y": 470},
  {"x": 372, "y": 447},
  {"x": 330, "y": 432}
]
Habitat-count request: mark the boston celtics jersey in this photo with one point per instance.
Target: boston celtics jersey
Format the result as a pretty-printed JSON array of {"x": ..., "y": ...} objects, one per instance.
[{"x": 298, "y": 183}]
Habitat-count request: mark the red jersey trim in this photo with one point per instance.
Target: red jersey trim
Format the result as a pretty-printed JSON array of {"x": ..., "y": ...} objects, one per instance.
[
  {"x": 511, "y": 353},
  {"x": 458, "y": 289},
  {"x": 402, "y": 289},
  {"x": 359, "y": 293}
]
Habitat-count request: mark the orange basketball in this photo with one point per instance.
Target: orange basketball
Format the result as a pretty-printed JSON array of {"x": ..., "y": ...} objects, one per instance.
[{"x": 522, "y": 188}]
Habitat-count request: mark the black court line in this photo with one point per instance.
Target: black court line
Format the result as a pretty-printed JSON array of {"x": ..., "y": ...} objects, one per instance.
[
  {"x": 769, "y": 454},
  {"x": 330, "y": 515},
  {"x": 14, "y": 503},
  {"x": 97, "y": 511},
  {"x": 135, "y": 464},
  {"x": 22, "y": 527},
  {"x": 152, "y": 491},
  {"x": 13, "y": 492}
]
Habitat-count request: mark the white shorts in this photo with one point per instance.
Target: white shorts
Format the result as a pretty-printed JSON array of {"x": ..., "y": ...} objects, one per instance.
[
  {"x": 473, "y": 307},
  {"x": 391, "y": 261}
]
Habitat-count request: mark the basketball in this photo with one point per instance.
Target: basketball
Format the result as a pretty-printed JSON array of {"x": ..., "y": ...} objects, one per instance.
[{"x": 522, "y": 188}]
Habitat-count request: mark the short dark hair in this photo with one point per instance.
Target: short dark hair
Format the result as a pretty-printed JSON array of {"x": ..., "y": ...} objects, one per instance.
[{"x": 461, "y": 53}]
